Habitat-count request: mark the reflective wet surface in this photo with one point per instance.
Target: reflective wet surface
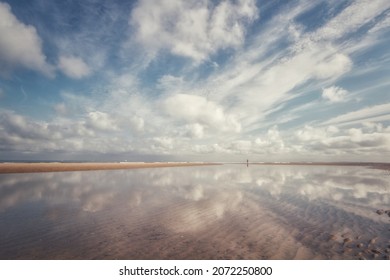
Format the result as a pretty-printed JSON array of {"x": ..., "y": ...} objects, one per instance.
[{"x": 203, "y": 212}]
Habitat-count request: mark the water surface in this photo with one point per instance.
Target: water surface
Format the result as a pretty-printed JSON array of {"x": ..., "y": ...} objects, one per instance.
[{"x": 203, "y": 212}]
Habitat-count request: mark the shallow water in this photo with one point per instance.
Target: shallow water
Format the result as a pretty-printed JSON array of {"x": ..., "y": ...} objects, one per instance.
[{"x": 203, "y": 212}]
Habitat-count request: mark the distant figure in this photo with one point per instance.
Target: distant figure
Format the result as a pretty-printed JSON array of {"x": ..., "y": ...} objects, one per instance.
[{"x": 247, "y": 163}]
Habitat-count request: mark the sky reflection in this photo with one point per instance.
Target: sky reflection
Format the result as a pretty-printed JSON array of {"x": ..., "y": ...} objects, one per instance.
[{"x": 229, "y": 204}]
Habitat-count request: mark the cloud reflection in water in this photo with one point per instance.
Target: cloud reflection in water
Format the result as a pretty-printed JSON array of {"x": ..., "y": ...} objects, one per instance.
[{"x": 228, "y": 211}]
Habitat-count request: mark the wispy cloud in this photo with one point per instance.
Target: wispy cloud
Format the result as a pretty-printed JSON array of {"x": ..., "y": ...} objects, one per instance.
[
  {"x": 382, "y": 111},
  {"x": 202, "y": 79},
  {"x": 193, "y": 29}
]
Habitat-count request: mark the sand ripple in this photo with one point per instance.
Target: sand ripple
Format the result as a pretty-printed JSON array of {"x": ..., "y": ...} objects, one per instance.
[{"x": 215, "y": 212}]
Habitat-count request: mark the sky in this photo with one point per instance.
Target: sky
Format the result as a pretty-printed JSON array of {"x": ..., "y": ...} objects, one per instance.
[{"x": 200, "y": 80}]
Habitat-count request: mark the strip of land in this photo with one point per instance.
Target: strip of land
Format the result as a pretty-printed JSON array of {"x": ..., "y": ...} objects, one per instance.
[
  {"x": 87, "y": 166},
  {"x": 59, "y": 166}
]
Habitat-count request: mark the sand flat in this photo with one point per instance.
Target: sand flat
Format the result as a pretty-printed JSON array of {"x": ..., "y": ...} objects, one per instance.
[
  {"x": 197, "y": 212},
  {"x": 59, "y": 166}
]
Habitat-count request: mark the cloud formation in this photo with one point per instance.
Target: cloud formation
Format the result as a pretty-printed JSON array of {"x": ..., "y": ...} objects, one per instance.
[
  {"x": 20, "y": 45},
  {"x": 378, "y": 112},
  {"x": 334, "y": 94},
  {"x": 199, "y": 111},
  {"x": 73, "y": 67},
  {"x": 192, "y": 29},
  {"x": 196, "y": 80}
]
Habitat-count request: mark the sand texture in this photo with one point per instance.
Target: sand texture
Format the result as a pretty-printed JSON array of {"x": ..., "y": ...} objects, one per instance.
[{"x": 198, "y": 212}]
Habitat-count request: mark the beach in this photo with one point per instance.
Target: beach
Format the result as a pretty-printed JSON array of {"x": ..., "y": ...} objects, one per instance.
[
  {"x": 86, "y": 166},
  {"x": 227, "y": 211},
  {"x": 7, "y": 167}
]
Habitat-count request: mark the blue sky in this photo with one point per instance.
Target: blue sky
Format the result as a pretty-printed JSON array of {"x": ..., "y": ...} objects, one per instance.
[{"x": 195, "y": 80}]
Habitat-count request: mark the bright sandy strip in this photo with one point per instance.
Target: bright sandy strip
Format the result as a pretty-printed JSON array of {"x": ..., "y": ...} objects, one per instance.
[{"x": 57, "y": 166}]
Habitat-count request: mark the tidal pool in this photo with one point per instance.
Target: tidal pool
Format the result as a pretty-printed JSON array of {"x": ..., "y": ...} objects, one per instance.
[{"x": 204, "y": 212}]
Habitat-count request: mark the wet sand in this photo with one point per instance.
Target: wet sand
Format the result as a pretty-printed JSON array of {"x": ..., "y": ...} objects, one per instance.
[
  {"x": 85, "y": 166},
  {"x": 214, "y": 212}
]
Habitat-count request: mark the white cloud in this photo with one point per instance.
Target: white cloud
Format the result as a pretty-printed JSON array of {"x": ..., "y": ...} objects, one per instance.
[
  {"x": 101, "y": 121},
  {"x": 334, "y": 94},
  {"x": 373, "y": 127},
  {"x": 334, "y": 66},
  {"x": 197, "y": 109},
  {"x": 369, "y": 139},
  {"x": 241, "y": 146},
  {"x": 358, "y": 142},
  {"x": 382, "y": 25},
  {"x": 223, "y": 111},
  {"x": 162, "y": 144},
  {"x": 254, "y": 89},
  {"x": 193, "y": 29},
  {"x": 362, "y": 115},
  {"x": 351, "y": 18},
  {"x": 270, "y": 143},
  {"x": 20, "y": 45},
  {"x": 195, "y": 130},
  {"x": 73, "y": 67},
  {"x": 309, "y": 133},
  {"x": 24, "y": 135},
  {"x": 137, "y": 123}
]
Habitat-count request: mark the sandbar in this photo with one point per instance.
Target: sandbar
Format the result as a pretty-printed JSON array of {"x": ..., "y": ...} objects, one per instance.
[
  {"x": 7, "y": 167},
  {"x": 86, "y": 166}
]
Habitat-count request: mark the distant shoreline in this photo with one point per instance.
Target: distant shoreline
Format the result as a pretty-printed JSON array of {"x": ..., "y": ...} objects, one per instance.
[
  {"x": 86, "y": 166},
  {"x": 375, "y": 165},
  {"x": 8, "y": 167}
]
